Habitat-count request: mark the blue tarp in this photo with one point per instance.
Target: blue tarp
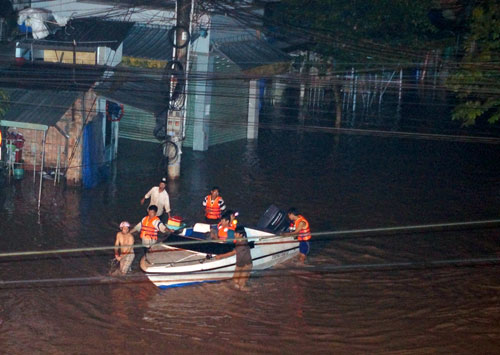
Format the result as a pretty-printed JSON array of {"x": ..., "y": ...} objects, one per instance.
[
  {"x": 24, "y": 29},
  {"x": 94, "y": 169}
]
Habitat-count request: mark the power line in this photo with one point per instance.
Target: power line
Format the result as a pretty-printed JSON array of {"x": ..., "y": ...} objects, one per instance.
[
  {"x": 484, "y": 223},
  {"x": 271, "y": 272}
]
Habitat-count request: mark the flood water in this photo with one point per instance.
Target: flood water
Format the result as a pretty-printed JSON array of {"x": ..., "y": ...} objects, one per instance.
[{"x": 357, "y": 294}]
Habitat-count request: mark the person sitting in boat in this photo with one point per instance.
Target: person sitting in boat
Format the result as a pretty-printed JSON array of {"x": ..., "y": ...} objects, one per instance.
[
  {"x": 233, "y": 221},
  {"x": 124, "y": 250},
  {"x": 149, "y": 227},
  {"x": 224, "y": 230},
  {"x": 243, "y": 258},
  {"x": 301, "y": 231},
  {"x": 214, "y": 206}
]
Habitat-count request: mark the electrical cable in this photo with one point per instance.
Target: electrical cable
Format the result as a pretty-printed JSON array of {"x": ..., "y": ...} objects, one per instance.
[
  {"x": 271, "y": 272},
  {"x": 326, "y": 233}
]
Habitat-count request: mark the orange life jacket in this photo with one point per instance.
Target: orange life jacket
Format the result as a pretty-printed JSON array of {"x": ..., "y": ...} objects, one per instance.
[
  {"x": 212, "y": 210},
  {"x": 222, "y": 231},
  {"x": 304, "y": 233},
  {"x": 148, "y": 230}
]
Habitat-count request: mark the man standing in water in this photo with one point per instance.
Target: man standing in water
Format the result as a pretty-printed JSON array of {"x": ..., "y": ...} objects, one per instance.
[
  {"x": 301, "y": 231},
  {"x": 159, "y": 198},
  {"x": 149, "y": 227},
  {"x": 243, "y": 259},
  {"x": 124, "y": 250},
  {"x": 214, "y": 205}
]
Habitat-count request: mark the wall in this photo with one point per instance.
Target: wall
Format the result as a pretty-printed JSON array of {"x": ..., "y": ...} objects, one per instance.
[
  {"x": 137, "y": 125},
  {"x": 107, "y": 56},
  {"x": 70, "y": 156},
  {"x": 229, "y": 103},
  {"x": 57, "y": 56}
]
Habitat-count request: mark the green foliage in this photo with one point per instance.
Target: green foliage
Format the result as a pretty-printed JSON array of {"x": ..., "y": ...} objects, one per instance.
[
  {"x": 476, "y": 81},
  {"x": 364, "y": 32},
  {"x": 4, "y": 103}
]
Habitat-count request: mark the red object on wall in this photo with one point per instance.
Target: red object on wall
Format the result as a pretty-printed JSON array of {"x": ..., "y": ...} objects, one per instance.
[
  {"x": 114, "y": 111},
  {"x": 19, "y": 155}
]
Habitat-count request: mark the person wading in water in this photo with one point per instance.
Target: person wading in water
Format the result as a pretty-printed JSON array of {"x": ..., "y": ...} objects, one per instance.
[
  {"x": 243, "y": 259},
  {"x": 124, "y": 251},
  {"x": 301, "y": 231}
]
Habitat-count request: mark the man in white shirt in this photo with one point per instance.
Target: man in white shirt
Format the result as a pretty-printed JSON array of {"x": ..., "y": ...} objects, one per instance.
[{"x": 159, "y": 197}]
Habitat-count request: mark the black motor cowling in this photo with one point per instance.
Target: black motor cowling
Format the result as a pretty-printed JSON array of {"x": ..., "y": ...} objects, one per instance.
[{"x": 273, "y": 220}]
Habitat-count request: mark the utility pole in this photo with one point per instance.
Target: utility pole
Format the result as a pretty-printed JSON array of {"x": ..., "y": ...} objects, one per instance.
[{"x": 176, "y": 119}]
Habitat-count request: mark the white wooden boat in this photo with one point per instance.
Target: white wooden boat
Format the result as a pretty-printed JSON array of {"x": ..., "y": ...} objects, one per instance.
[{"x": 181, "y": 265}]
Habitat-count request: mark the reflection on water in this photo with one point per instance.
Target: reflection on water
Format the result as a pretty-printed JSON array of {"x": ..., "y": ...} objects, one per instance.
[{"x": 360, "y": 182}]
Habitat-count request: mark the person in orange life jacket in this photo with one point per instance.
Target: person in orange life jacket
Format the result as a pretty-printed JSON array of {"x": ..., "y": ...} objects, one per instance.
[
  {"x": 214, "y": 206},
  {"x": 159, "y": 197},
  {"x": 301, "y": 231},
  {"x": 223, "y": 231},
  {"x": 233, "y": 222},
  {"x": 149, "y": 227},
  {"x": 243, "y": 258}
]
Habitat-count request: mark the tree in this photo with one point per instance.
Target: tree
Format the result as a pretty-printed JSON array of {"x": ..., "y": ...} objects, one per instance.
[
  {"x": 4, "y": 103},
  {"x": 476, "y": 80},
  {"x": 359, "y": 34},
  {"x": 360, "y": 30}
]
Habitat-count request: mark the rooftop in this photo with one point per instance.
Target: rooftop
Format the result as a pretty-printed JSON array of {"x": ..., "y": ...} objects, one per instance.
[
  {"x": 51, "y": 76},
  {"x": 137, "y": 89},
  {"x": 43, "y": 107},
  {"x": 41, "y": 94},
  {"x": 252, "y": 54},
  {"x": 86, "y": 33},
  {"x": 149, "y": 42}
]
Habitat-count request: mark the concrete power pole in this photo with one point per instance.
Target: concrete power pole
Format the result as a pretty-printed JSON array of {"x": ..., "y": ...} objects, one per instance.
[{"x": 176, "y": 119}]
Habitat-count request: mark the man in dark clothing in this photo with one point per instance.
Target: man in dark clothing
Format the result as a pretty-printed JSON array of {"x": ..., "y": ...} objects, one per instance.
[{"x": 243, "y": 259}]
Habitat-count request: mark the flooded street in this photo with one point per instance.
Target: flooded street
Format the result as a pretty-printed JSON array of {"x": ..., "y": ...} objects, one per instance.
[
  {"x": 357, "y": 294},
  {"x": 378, "y": 121}
]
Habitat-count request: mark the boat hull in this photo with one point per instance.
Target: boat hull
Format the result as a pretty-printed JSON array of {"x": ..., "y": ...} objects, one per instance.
[{"x": 178, "y": 267}]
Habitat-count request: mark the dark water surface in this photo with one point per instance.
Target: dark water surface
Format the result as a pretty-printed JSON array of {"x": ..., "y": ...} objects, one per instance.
[{"x": 324, "y": 307}]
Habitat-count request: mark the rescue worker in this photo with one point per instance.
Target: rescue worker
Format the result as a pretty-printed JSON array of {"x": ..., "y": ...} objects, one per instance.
[
  {"x": 149, "y": 227},
  {"x": 233, "y": 221},
  {"x": 224, "y": 230},
  {"x": 159, "y": 198},
  {"x": 214, "y": 205},
  {"x": 301, "y": 231},
  {"x": 124, "y": 251}
]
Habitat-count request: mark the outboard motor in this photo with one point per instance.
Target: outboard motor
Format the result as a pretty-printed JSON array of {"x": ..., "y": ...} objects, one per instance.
[{"x": 273, "y": 220}]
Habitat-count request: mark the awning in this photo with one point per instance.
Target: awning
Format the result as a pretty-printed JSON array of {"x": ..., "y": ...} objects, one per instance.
[
  {"x": 38, "y": 127},
  {"x": 37, "y": 109},
  {"x": 135, "y": 89},
  {"x": 254, "y": 57}
]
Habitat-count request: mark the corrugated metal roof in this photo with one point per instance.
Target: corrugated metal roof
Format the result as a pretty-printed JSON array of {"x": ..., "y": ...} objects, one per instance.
[
  {"x": 51, "y": 76},
  {"x": 148, "y": 42},
  {"x": 39, "y": 106},
  {"x": 87, "y": 32},
  {"x": 154, "y": 4},
  {"x": 136, "y": 90},
  {"x": 251, "y": 53},
  {"x": 41, "y": 94}
]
